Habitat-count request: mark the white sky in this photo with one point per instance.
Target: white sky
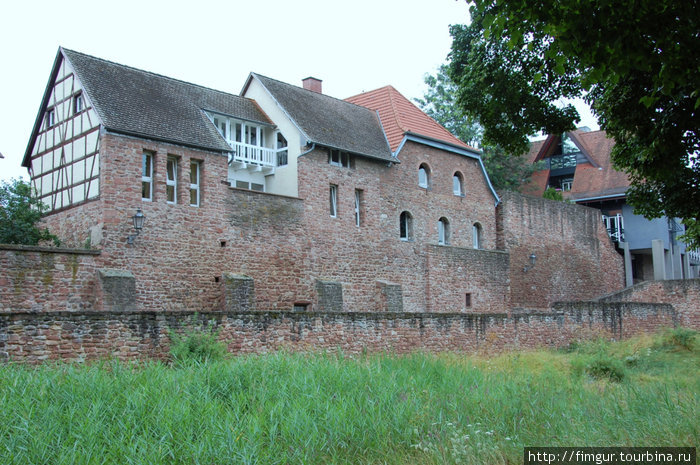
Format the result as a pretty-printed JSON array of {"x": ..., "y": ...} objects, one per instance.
[{"x": 353, "y": 46}]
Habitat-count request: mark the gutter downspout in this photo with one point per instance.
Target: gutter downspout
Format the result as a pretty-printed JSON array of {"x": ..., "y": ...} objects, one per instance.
[{"x": 313, "y": 147}]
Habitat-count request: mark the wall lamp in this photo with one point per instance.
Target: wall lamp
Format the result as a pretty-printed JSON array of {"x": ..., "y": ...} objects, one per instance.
[
  {"x": 533, "y": 259},
  {"x": 138, "y": 220}
]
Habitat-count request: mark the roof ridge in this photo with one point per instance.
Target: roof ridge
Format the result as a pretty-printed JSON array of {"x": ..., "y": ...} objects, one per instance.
[
  {"x": 399, "y": 122},
  {"x": 151, "y": 73},
  {"x": 307, "y": 90}
]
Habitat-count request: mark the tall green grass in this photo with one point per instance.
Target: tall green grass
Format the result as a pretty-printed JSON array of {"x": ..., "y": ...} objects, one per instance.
[{"x": 332, "y": 408}]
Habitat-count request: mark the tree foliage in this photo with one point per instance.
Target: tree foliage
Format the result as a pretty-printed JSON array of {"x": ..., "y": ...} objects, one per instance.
[
  {"x": 439, "y": 102},
  {"x": 19, "y": 213},
  {"x": 635, "y": 63}
]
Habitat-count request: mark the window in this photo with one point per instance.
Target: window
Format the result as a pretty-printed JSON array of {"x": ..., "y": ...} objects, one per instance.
[
  {"x": 334, "y": 201},
  {"x": 406, "y": 226},
  {"x": 253, "y": 186},
  {"x": 468, "y": 300},
  {"x": 476, "y": 235},
  {"x": 424, "y": 176},
  {"x": 457, "y": 184},
  {"x": 281, "y": 150},
  {"x": 78, "y": 103},
  {"x": 443, "y": 231},
  {"x": 147, "y": 176},
  {"x": 195, "y": 166},
  {"x": 338, "y": 158},
  {"x": 171, "y": 180},
  {"x": 358, "y": 205},
  {"x": 50, "y": 118}
]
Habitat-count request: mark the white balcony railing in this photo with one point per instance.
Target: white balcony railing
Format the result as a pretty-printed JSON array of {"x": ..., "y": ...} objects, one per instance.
[
  {"x": 694, "y": 256},
  {"x": 253, "y": 154},
  {"x": 615, "y": 226}
]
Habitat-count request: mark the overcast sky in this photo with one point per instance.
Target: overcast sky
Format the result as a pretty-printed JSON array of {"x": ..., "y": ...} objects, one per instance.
[{"x": 353, "y": 46}]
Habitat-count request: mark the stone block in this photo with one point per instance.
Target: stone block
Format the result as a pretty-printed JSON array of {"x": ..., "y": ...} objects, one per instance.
[
  {"x": 239, "y": 293},
  {"x": 118, "y": 289},
  {"x": 330, "y": 296}
]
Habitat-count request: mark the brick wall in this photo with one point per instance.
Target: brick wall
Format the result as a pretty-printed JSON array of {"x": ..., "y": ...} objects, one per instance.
[
  {"x": 575, "y": 259},
  {"x": 683, "y": 294},
  {"x": 286, "y": 245},
  {"x": 34, "y": 337},
  {"x": 46, "y": 279}
]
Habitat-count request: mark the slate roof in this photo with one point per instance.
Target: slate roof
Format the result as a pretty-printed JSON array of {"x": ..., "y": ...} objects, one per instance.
[
  {"x": 597, "y": 179},
  {"x": 399, "y": 116},
  {"x": 136, "y": 102},
  {"x": 331, "y": 122}
]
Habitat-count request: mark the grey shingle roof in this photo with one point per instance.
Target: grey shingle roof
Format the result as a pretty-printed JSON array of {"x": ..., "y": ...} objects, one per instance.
[
  {"x": 137, "y": 102},
  {"x": 331, "y": 122}
]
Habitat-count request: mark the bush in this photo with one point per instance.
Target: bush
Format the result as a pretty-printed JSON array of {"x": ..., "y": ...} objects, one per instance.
[
  {"x": 196, "y": 345},
  {"x": 679, "y": 338},
  {"x": 19, "y": 213},
  {"x": 603, "y": 367},
  {"x": 553, "y": 194}
]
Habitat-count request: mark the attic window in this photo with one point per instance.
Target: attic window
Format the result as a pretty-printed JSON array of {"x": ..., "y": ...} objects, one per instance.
[
  {"x": 338, "y": 158},
  {"x": 50, "y": 118},
  {"x": 78, "y": 104}
]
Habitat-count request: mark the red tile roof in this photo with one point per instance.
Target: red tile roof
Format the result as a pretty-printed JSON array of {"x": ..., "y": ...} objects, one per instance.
[
  {"x": 597, "y": 179},
  {"x": 399, "y": 116}
]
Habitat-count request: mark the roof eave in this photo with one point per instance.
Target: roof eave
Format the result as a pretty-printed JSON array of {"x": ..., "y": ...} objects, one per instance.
[
  {"x": 26, "y": 160},
  {"x": 166, "y": 140}
]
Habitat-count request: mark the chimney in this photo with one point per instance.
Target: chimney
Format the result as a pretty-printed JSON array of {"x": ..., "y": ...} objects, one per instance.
[{"x": 312, "y": 84}]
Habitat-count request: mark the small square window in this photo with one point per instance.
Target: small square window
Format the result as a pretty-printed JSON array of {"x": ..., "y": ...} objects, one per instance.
[{"x": 339, "y": 158}]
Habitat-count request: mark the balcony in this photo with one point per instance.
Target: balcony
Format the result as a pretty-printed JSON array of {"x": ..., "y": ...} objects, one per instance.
[{"x": 253, "y": 157}]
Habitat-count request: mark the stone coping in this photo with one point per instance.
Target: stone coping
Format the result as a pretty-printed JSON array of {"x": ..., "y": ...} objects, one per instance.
[{"x": 38, "y": 248}]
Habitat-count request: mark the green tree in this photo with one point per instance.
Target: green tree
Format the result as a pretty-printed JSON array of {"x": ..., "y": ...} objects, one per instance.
[
  {"x": 439, "y": 102},
  {"x": 635, "y": 63},
  {"x": 19, "y": 213}
]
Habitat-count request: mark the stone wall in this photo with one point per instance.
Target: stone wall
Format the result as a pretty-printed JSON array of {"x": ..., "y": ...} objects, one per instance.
[
  {"x": 575, "y": 259},
  {"x": 683, "y": 294},
  {"x": 35, "y": 337},
  {"x": 286, "y": 245},
  {"x": 46, "y": 279}
]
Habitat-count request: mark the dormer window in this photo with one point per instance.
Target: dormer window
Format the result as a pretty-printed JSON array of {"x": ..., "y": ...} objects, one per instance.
[{"x": 339, "y": 158}]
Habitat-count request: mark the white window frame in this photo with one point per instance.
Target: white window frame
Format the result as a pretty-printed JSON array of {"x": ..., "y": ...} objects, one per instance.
[
  {"x": 50, "y": 119},
  {"x": 358, "y": 204},
  {"x": 405, "y": 225},
  {"x": 147, "y": 178},
  {"x": 443, "y": 231},
  {"x": 195, "y": 187},
  {"x": 458, "y": 185},
  {"x": 423, "y": 177},
  {"x": 476, "y": 236},
  {"x": 78, "y": 104},
  {"x": 171, "y": 182},
  {"x": 339, "y": 158},
  {"x": 333, "y": 201}
]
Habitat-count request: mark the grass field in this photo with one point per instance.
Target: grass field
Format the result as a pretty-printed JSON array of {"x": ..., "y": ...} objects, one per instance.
[{"x": 330, "y": 408}]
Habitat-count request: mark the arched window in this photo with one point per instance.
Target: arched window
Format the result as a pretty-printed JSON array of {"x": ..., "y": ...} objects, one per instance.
[
  {"x": 424, "y": 176},
  {"x": 406, "y": 226},
  {"x": 458, "y": 184},
  {"x": 476, "y": 235},
  {"x": 443, "y": 231}
]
